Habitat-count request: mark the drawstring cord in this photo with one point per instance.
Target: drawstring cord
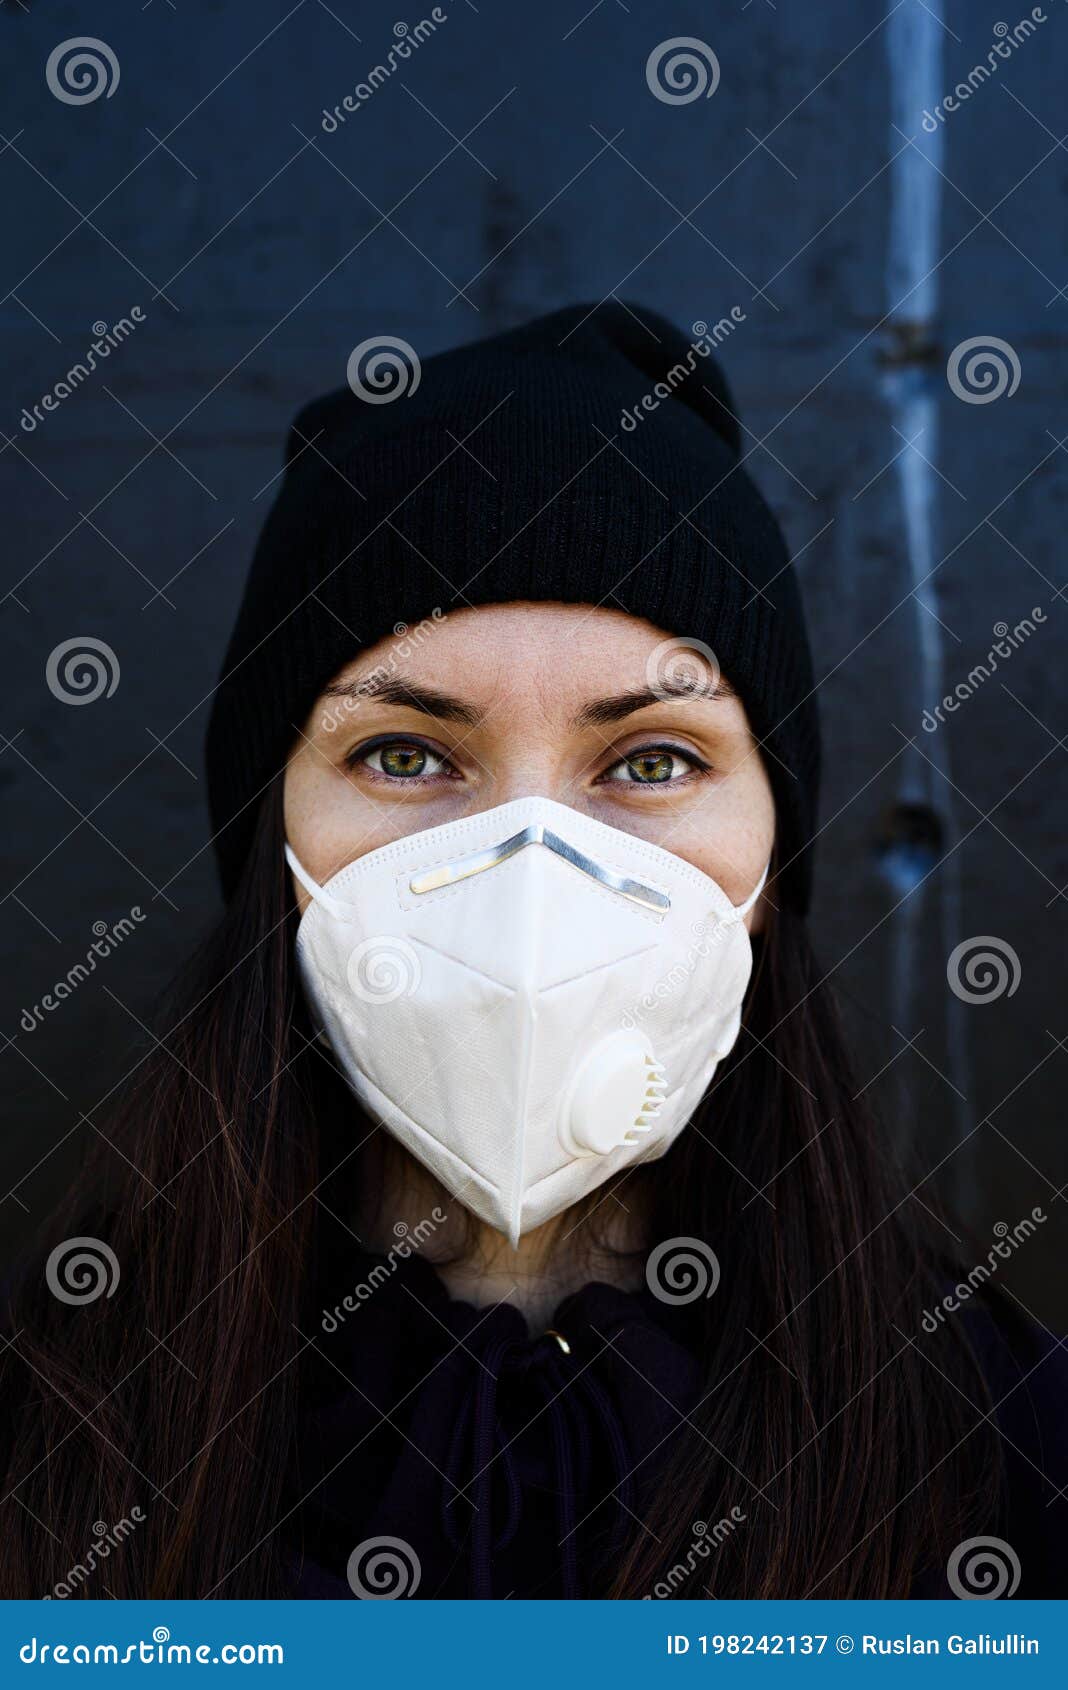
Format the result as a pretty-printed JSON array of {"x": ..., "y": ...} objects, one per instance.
[{"x": 580, "y": 1412}]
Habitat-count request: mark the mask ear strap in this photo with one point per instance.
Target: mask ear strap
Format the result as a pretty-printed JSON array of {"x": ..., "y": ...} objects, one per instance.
[
  {"x": 332, "y": 905},
  {"x": 742, "y": 910}
]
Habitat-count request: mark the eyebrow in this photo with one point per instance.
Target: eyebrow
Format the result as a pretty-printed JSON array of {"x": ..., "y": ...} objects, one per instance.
[
  {"x": 601, "y": 711},
  {"x": 597, "y": 713},
  {"x": 406, "y": 693}
]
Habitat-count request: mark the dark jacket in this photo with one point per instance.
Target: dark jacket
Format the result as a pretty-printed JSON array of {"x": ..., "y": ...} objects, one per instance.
[{"x": 448, "y": 1452}]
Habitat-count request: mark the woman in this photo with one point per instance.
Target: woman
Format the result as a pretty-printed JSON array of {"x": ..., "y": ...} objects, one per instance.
[{"x": 502, "y": 1217}]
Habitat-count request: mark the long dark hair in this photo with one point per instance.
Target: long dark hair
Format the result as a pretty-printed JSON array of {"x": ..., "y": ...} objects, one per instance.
[{"x": 179, "y": 1397}]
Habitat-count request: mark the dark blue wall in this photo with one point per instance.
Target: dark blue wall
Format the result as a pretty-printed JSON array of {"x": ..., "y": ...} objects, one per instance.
[{"x": 516, "y": 162}]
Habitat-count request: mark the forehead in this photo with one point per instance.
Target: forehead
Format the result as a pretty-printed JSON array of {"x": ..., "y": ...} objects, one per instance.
[{"x": 565, "y": 653}]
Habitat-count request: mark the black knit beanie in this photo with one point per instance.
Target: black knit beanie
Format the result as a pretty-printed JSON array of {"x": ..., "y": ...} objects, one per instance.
[{"x": 592, "y": 457}]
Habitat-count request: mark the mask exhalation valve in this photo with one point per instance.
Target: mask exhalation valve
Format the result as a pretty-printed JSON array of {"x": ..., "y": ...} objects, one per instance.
[{"x": 615, "y": 1097}]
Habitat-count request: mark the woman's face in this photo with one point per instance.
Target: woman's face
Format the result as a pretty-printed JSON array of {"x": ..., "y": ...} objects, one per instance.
[{"x": 592, "y": 708}]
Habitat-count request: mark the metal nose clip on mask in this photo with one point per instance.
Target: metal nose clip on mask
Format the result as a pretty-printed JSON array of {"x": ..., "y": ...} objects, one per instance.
[{"x": 528, "y": 999}]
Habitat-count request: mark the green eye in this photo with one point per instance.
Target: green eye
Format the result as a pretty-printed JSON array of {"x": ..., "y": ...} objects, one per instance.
[
  {"x": 652, "y": 766},
  {"x": 403, "y": 760},
  {"x": 655, "y": 765}
]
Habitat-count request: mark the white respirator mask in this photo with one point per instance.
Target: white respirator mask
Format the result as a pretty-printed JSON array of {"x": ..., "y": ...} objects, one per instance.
[{"x": 529, "y": 1000}]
